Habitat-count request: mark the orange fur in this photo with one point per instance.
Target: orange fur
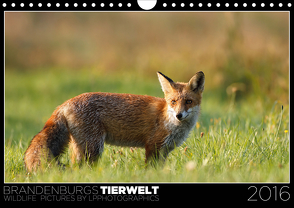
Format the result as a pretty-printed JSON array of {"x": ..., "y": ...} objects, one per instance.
[{"x": 89, "y": 120}]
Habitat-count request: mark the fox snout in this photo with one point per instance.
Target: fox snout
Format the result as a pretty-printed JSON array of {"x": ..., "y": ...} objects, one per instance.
[
  {"x": 182, "y": 115},
  {"x": 179, "y": 116}
]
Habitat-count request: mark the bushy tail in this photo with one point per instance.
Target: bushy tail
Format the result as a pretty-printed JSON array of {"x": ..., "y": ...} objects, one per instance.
[{"x": 49, "y": 142}]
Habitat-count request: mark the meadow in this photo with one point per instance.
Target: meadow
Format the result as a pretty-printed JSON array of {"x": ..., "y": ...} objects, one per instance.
[
  {"x": 233, "y": 142},
  {"x": 243, "y": 131}
]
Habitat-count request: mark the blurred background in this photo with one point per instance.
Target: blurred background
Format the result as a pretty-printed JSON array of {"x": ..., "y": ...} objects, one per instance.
[
  {"x": 242, "y": 54},
  {"x": 251, "y": 48}
]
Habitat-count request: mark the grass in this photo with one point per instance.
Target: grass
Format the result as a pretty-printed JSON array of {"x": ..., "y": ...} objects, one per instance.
[{"x": 243, "y": 140}]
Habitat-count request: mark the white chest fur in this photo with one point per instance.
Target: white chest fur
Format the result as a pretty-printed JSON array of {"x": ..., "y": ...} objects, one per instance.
[{"x": 180, "y": 129}]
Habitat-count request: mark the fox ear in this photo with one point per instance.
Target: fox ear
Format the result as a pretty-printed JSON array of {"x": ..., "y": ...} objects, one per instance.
[
  {"x": 165, "y": 82},
  {"x": 197, "y": 82}
]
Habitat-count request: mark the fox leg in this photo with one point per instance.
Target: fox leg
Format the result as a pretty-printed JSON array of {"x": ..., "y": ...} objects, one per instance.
[
  {"x": 94, "y": 147},
  {"x": 89, "y": 148},
  {"x": 163, "y": 153},
  {"x": 76, "y": 155},
  {"x": 157, "y": 153},
  {"x": 153, "y": 153}
]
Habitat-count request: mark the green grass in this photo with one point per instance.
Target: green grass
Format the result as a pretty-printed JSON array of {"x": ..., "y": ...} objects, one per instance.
[{"x": 243, "y": 141}]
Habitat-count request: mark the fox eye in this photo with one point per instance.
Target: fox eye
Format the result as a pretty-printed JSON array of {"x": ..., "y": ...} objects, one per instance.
[
  {"x": 173, "y": 102},
  {"x": 188, "y": 101}
]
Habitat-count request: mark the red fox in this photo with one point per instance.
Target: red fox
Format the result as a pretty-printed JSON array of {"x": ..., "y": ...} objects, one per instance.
[{"x": 89, "y": 120}]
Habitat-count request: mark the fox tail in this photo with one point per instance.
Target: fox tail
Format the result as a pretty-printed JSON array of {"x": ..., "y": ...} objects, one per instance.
[{"x": 49, "y": 142}]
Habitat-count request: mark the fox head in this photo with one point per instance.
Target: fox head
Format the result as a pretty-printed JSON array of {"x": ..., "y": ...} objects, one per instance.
[{"x": 183, "y": 99}]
